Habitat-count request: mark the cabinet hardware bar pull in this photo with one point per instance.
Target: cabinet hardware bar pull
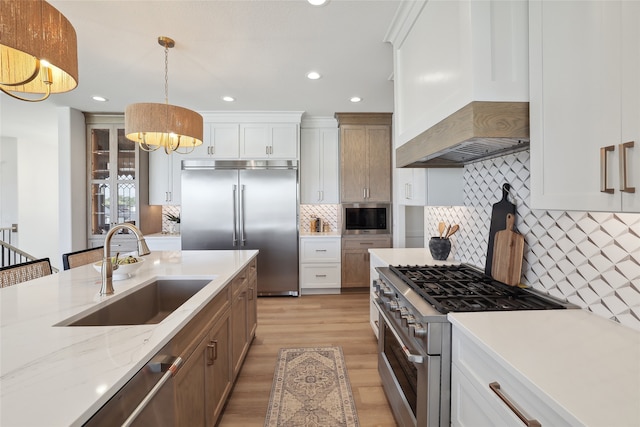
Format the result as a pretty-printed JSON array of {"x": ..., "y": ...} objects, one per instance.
[
  {"x": 321, "y": 275},
  {"x": 321, "y": 250},
  {"x": 364, "y": 193},
  {"x": 212, "y": 347},
  {"x": 495, "y": 387},
  {"x": 604, "y": 170},
  {"x": 169, "y": 372},
  {"x": 251, "y": 293},
  {"x": 623, "y": 168}
]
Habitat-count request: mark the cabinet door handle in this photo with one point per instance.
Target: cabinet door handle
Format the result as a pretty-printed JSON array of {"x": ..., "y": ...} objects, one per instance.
[
  {"x": 250, "y": 293},
  {"x": 624, "y": 185},
  {"x": 604, "y": 185},
  {"x": 212, "y": 349},
  {"x": 495, "y": 387}
]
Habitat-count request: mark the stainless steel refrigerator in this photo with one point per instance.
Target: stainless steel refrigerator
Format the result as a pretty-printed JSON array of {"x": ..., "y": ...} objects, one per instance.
[{"x": 230, "y": 204}]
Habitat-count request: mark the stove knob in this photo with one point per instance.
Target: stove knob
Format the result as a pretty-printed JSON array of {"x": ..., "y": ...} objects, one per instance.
[
  {"x": 404, "y": 312},
  {"x": 387, "y": 291},
  {"x": 393, "y": 305},
  {"x": 409, "y": 319},
  {"x": 419, "y": 331}
]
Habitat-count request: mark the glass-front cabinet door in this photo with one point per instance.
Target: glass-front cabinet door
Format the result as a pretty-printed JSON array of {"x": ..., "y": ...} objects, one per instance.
[{"x": 113, "y": 180}]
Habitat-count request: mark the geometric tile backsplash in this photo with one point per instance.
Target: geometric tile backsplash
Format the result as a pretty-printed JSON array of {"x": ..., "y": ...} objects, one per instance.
[
  {"x": 591, "y": 259},
  {"x": 328, "y": 213}
]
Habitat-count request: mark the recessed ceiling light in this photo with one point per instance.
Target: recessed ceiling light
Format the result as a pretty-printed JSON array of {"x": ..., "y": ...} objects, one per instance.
[
  {"x": 100, "y": 98},
  {"x": 317, "y": 2},
  {"x": 313, "y": 75},
  {"x": 355, "y": 99},
  {"x": 228, "y": 98}
]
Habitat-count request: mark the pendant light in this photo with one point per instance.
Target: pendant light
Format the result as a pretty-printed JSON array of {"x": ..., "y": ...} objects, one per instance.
[
  {"x": 38, "y": 50},
  {"x": 153, "y": 125}
]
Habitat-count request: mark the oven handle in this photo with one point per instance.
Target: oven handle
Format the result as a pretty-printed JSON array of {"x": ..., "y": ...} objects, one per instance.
[{"x": 411, "y": 357}]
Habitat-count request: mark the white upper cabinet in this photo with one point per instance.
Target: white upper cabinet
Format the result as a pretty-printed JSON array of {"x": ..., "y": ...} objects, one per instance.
[
  {"x": 269, "y": 141},
  {"x": 319, "y": 166},
  {"x": 221, "y": 141},
  {"x": 430, "y": 186},
  {"x": 449, "y": 53},
  {"x": 585, "y": 104},
  {"x": 164, "y": 177}
]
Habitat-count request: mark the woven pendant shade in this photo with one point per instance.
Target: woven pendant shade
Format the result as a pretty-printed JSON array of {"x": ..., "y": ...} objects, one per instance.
[
  {"x": 162, "y": 124},
  {"x": 32, "y": 32}
]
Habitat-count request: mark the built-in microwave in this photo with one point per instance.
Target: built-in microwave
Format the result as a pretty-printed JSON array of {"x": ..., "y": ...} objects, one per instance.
[{"x": 366, "y": 218}]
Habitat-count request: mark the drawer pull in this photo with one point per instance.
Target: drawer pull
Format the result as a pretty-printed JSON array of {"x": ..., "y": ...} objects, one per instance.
[
  {"x": 321, "y": 250},
  {"x": 624, "y": 185},
  {"x": 604, "y": 185},
  {"x": 321, "y": 275},
  {"x": 495, "y": 387},
  {"x": 212, "y": 348}
]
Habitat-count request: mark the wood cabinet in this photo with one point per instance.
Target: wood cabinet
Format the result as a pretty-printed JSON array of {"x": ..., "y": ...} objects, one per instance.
[
  {"x": 203, "y": 383},
  {"x": 320, "y": 265},
  {"x": 585, "y": 103},
  {"x": 118, "y": 183},
  {"x": 365, "y": 157},
  {"x": 319, "y": 163},
  {"x": 243, "y": 315},
  {"x": 356, "y": 258}
]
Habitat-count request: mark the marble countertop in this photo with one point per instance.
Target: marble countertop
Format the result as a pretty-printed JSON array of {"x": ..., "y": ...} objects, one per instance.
[
  {"x": 162, "y": 235},
  {"x": 408, "y": 256},
  {"x": 59, "y": 375},
  {"x": 587, "y": 364}
]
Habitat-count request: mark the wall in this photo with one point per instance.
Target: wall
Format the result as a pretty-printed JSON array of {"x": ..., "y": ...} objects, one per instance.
[
  {"x": 590, "y": 259},
  {"x": 8, "y": 184}
]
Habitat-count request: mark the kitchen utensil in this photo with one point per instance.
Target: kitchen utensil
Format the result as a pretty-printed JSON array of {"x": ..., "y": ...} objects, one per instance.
[
  {"x": 441, "y": 228},
  {"x": 498, "y": 220},
  {"x": 446, "y": 233},
  {"x": 507, "y": 254},
  {"x": 452, "y": 230}
]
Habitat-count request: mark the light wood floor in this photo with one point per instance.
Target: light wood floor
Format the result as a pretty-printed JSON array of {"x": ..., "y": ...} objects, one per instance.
[{"x": 307, "y": 321}]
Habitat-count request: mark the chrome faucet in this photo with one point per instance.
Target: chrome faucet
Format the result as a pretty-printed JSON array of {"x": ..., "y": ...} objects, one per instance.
[{"x": 107, "y": 268}]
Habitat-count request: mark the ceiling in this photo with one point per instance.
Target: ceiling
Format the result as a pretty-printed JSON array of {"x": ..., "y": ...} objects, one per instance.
[{"x": 257, "y": 51}]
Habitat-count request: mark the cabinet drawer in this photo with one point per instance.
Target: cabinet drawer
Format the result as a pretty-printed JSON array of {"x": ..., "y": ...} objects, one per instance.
[
  {"x": 481, "y": 369},
  {"x": 320, "y": 275},
  {"x": 316, "y": 249},
  {"x": 366, "y": 242}
]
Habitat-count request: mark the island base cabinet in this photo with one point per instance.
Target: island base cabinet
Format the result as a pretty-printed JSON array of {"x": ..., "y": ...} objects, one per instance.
[
  {"x": 204, "y": 381},
  {"x": 243, "y": 314}
]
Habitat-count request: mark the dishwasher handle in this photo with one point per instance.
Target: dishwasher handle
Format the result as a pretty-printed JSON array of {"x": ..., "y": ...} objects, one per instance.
[{"x": 169, "y": 371}]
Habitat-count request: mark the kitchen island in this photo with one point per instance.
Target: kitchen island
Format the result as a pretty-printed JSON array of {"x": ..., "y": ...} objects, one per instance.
[{"x": 62, "y": 375}]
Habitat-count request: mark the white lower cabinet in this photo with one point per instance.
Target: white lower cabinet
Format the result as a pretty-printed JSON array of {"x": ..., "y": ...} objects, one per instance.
[
  {"x": 320, "y": 265},
  {"x": 487, "y": 392}
]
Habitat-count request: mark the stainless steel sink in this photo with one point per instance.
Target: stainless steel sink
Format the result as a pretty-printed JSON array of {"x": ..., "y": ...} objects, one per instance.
[{"x": 148, "y": 305}]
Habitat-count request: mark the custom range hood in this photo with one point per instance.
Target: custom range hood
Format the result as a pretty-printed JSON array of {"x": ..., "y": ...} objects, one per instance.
[{"x": 477, "y": 131}]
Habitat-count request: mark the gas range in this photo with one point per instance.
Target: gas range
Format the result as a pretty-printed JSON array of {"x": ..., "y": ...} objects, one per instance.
[
  {"x": 414, "y": 340},
  {"x": 465, "y": 288}
]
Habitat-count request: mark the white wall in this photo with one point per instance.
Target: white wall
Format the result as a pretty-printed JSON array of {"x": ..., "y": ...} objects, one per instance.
[
  {"x": 8, "y": 183},
  {"x": 34, "y": 127}
]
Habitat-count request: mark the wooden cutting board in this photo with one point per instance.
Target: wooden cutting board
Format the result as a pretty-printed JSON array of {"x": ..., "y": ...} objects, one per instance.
[
  {"x": 508, "y": 250},
  {"x": 498, "y": 219}
]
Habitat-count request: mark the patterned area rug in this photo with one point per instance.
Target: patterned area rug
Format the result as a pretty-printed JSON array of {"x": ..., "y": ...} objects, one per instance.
[{"x": 311, "y": 389}]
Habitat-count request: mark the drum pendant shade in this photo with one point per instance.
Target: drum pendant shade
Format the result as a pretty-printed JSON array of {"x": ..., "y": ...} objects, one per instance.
[{"x": 38, "y": 49}]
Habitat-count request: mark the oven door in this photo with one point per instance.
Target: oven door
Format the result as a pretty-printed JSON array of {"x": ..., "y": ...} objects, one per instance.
[{"x": 410, "y": 377}]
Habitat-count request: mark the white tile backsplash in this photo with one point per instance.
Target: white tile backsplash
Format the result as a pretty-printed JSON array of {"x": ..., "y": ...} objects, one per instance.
[{"x": 591, "y": 259}]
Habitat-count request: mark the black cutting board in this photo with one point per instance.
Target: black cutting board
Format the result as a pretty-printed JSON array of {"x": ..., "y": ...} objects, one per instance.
[{"x": 498, "y": 222}]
